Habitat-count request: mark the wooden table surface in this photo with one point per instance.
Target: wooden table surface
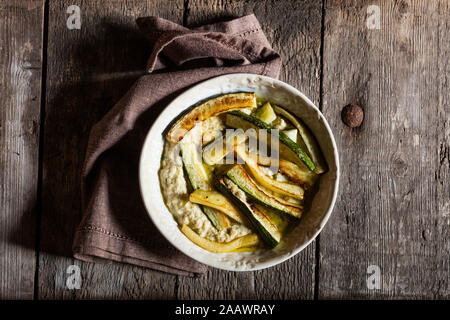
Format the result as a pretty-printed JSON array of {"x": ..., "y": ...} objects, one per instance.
[{"x": 393, "y": 208}]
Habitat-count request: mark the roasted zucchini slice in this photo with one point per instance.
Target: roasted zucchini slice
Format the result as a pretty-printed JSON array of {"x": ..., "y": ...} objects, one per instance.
[
  {"x": 281, "y": 221},
  {"x": 199, "y": 178},
  {"x": 198, "y": 174},
  {"x": 240, "y": 177},
  {"x": 305, "y": 178},
  {"x": 284, "y": 188},
  {"x": 248, "y": 240},
  {"x": 217, "y": 201},
  {"x": 236, "y": 119},
  {"x": 208, "y": 109},
  {"x": 265, "y": 113},
  {"x": 288, "y": 148},
  {"x": 268, "y": 231},
  {"x": 308, "y": 138}
]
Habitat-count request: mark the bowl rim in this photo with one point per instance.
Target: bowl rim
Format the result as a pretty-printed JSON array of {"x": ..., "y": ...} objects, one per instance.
[{"x": 324, "y": 220}]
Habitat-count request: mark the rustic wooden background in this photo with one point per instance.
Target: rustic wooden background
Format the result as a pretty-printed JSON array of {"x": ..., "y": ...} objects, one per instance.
[{"x": 393, "y": 208}]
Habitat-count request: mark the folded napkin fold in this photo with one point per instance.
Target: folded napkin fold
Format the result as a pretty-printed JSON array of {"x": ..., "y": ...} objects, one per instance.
[{"x": 115, "y": 225}]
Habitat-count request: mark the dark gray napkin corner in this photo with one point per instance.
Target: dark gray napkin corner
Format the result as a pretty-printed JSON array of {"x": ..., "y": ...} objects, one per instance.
[{"x": 115, "y": 225}]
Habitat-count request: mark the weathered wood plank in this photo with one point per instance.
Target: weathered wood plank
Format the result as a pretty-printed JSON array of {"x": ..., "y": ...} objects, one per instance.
[
  {"x": 441, "y": 282},
  {"x": 393, "y": 207},
  {"x": 21, "y": 25},
  {"x": 294, "y": 29},
  {"x": 88, "y": 71}
]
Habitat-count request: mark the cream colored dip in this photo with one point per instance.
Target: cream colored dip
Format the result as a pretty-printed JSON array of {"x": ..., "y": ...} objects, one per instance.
[{"x": 175, "y": 189}]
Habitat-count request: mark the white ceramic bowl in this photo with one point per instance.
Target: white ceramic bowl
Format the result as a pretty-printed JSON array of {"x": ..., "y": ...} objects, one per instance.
[{"x": 313, "y": 220}]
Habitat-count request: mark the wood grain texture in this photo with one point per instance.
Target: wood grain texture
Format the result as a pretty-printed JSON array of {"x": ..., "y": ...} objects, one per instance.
[
  {"x": 393, "y": 208},
  {"x": 88, "y": 72},
  {"x": 294, "y": 29},
  {"x": 21, "y": 26},
  {"x": 393, "y": 205},
  {"x": 441, "y": 282}
]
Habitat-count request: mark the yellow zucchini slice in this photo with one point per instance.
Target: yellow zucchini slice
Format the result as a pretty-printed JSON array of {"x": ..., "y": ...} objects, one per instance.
[
  {"x": 305, "y": 178},
  {"x": 217, "y": 201},
  {"x": 240, "y": 177},
  {"x": 265, "y": 113},
  {"x": 287, "y": 200},
  {"x": 212, "y": 107},
  {"x": 220, "y": 247},
  {"x": 284, "y": 188}
]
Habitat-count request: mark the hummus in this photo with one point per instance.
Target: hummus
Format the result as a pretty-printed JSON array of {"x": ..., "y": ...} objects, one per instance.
[{"x": 174, "y": 188}]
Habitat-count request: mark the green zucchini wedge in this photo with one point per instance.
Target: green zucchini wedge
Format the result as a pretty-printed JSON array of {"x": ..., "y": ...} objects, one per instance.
[
  {"x": 199, "y": 178},
  {"x": 288, "y": 148},
  {"x": 242, "y": 179},
  {"x": 236, "y": 119},
  {"x": 198, "y": 174},
  {"x": 281, "y": 221},
  {"x": 208, "y": 109},
  {"x": 267, "y": 230},
  {"x": 308, "y": 138}
]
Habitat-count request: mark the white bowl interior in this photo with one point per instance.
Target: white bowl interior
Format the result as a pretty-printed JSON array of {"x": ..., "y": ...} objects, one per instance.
[{"x": 322, "y": 202}]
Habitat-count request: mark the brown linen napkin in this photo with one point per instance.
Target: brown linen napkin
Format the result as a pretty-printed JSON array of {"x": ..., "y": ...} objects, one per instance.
[{"x": 115, "y": 224}]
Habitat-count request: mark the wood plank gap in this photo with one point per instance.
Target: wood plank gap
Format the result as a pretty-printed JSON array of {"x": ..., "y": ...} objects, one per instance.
[
  {"x": 317, "y": 248},
  {"x": 317, "y": 268},
  {"x": 322, "y": 42},
  {"x": 176, "y": 286},
  {"x": 41, "y": 148},
  {"x": 185, "y": 12}
]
